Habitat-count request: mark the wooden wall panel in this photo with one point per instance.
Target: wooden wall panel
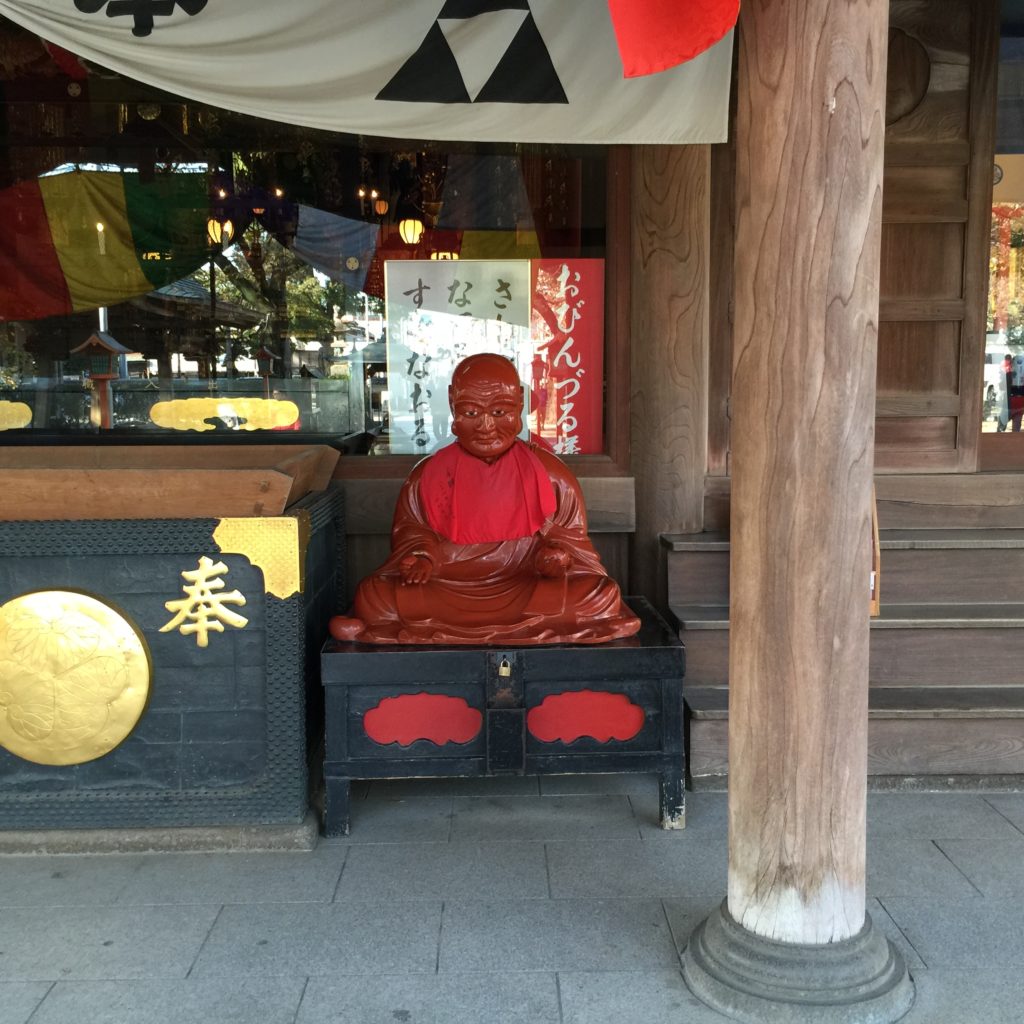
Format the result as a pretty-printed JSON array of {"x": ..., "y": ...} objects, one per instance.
[
  {"x": 918, "y": 358},
  {"x": 717, "y": 501},
  {"x": 910, "y": 404},
  {"x": 957, "y": 501},
  {"x": 922, "y": 261},
  {"x": 939, "y": 184},
  {"x": 925, "y": 194},
  {"x": 937, "y": 747},
  {"x": 966, "y": 501},
  {"x": 932, "y": 107},
  {"x": 363, "y": 554},
  {"x": 922, "y": 433}
]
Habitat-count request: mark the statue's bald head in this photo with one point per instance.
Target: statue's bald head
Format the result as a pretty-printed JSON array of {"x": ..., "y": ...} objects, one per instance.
[{"x": 485, "y": 376}]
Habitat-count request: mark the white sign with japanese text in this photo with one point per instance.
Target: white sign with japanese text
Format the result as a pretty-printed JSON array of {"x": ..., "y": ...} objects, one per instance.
[{"x": 439, "y": 312}]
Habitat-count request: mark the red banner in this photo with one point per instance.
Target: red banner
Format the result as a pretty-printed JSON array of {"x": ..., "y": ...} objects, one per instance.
[{"x": 567, "y": 373}]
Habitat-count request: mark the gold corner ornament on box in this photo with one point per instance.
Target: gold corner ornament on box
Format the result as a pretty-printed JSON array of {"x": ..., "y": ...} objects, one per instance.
[
  {"x": 203, "y": 608},
  {"x": 74, "y": 677},
  {"x": 275, "y": 544}
]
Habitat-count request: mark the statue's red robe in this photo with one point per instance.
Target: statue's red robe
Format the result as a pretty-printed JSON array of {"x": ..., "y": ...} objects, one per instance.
[{"x": 481, "y": 525}]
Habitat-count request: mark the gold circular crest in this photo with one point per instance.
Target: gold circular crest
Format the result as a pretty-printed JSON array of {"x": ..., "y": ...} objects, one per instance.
[{"x": 74, "y": 677}]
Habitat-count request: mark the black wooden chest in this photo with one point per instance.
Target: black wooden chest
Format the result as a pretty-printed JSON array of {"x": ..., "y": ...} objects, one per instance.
[
  {"x": 400, "y": 711},
  {"x": 223, "y": 736}
]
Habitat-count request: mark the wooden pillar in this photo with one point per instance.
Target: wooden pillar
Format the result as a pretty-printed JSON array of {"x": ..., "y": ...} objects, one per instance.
[
  {"x": 670, "y": 230},
  {"x": 810, "y": 130}
]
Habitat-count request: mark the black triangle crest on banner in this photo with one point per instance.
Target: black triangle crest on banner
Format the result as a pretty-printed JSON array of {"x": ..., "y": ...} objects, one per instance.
[
  {"x": 430, "y": 75},
  {"x": 471, "y": 8},
  {"x": 525, "y": 74}
]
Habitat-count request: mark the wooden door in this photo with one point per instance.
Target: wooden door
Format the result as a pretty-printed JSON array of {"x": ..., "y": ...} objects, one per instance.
[{"x": 937, "y": 206}]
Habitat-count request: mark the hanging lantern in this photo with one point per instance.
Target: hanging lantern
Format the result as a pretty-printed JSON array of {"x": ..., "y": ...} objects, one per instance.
[
  {"x": 219, "y": 232},
  {"x": 411, "y": 230},
  {"x": 380, "y": 207}
]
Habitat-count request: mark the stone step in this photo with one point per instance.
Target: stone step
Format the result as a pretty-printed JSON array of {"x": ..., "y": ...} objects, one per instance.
[
  {"x": 911, "y": 645},
  {"x": 918, "y": 566},
  {"x": 952, "y": 732}
]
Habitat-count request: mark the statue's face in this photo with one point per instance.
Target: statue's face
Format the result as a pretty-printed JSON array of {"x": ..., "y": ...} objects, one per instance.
[
  {"x": 486, "y": 422},
  {"x": 487, "y": 405}
]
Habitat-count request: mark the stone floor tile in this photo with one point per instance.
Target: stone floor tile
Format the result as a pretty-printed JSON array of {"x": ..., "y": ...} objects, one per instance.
[
  {"x": 914, "y": 867},
  {"x": 995, "y": 866},
  {"x": 706, "y": 813},
  {"x": 1010, "y": 805},
  {"x": 236, "y": 877},
  {"x": 190, "y": 1001},
  {"x": 975, "y": 996},
  {"x": 101, "y": 942},
  {"x": 445, "y": 870},
  {"x": 313, "y": 939},
  {"x": 587, "y": 785},
  {"x": 614, "y": 868},
  {"x": 654, "y": 997},
  {"x": 685, "y": 914},
  {"x": 64, "y": 881},
  {"x": 511, "y": 818},
  {"x": 983, "y": 932},
  {"x": 555, "y": 935},
  {"x": 432, "y": 999},
  {"x": 18, "y": 1000},
  {"x": 379, "y": 819},
  {"x": 934, "y": 816},
  {"x": 500, "y": 785},
  {"x": 881, "y": 917}
]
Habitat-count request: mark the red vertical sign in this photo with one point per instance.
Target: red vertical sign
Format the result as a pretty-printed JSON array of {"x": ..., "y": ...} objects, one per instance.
[{"x": 567, "y": 372}]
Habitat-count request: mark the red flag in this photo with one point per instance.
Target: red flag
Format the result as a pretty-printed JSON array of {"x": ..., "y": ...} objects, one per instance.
[
  {"x": 67, "y": 62},
  {"x": 657, "y": 34}
]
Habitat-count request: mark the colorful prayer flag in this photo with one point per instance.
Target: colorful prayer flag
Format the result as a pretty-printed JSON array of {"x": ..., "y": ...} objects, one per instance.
[{"x": 86, "y": 239}]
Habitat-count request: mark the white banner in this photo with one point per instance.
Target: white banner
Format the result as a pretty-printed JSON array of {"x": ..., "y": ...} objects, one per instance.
[{"x": 487, "y": 70}]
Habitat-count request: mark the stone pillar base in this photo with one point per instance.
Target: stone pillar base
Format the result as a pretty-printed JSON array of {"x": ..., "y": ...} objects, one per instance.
[{"x": 862, "y": 980}]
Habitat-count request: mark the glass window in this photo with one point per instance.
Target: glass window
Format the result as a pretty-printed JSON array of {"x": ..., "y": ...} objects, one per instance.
[
  {"x": 172, "y": 271},
  {"x": 1003, "y": 385}
]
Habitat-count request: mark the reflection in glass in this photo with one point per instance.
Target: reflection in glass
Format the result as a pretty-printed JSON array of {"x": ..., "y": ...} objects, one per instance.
[
  {"x": 280, "y": 275},
  {"x": 1003, "y": 398}
]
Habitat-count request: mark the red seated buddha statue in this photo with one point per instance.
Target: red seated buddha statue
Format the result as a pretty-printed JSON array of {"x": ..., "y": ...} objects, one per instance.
[{"x": 489, "y": 542}]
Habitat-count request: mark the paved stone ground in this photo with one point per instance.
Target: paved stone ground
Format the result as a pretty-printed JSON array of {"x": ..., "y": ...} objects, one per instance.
[{"x": 486, "y": 902}]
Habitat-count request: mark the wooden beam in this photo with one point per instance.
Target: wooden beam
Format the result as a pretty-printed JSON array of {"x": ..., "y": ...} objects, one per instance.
[
  {"x": 921, "y": 309},
  {"x": 984, "y": 81}
]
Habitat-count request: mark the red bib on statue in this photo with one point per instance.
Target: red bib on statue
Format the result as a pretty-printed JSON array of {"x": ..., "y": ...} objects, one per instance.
[{"x": 469, "y": 501}]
